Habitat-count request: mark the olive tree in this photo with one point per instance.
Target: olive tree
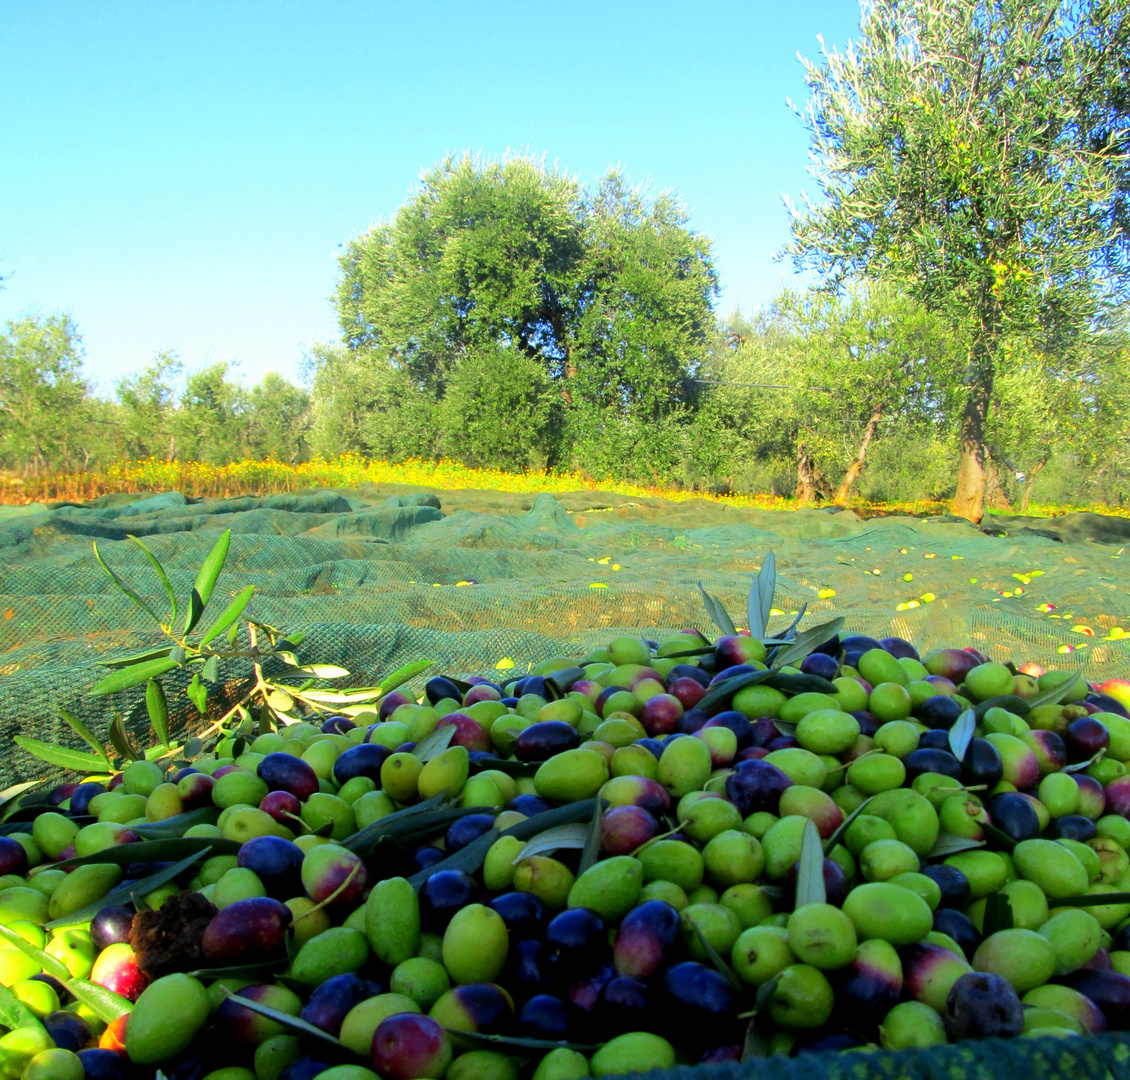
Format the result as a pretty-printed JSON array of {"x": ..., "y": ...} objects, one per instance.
[{"x": 973, "y": 153}]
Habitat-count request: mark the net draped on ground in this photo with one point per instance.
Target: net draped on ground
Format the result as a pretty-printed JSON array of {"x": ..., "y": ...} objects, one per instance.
[{"x": 377, "y": 577}]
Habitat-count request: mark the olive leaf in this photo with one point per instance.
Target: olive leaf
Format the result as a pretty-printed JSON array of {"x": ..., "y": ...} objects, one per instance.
[
  {"x": 133, "y": 675},
  {"x": 563, "y": 836},
  {"x": 717, "y": 612},
  {"x": 563, "y": 680},
  {"x": 125, "y": 588},
  {"x": 810, "y": 887},
  {"x": 948, "y": 844},
  {"x": 787, "y": 635},
  {"x": 713, "y": 955},
  {"x": 168, "y": 850},
  {"x": 84, "y": 733},
  {"x": 105, "y": 1004},
  {"x": 1093, "y": 899},
  {"x": 806, "y": 642},
  {"x": 14, "y": 1014},
  {"x": 591, "y": 850},
  {"x": 62, "y": 756},
  {"x": 230, "y": 615},
  {"x": 1011, "y": 702},
  {"x": 1056, "y": 694},
  {"x": 160, "y": 573},
  {"x": 198, "y": 694},
  {"x": 206, "y": 580},
  {"x": 726, "y": 689},
  {"x": 121, "y": 742},
  {"x": 294, "y": 1023},
  {"x": 521, "y": 1043},
  {"x": 16, "y": 790},
  {"x": 961, "y": 734},
  {"x": 124, "y": 892},
  {"x": 760, "y": 602},
  {"x": 842, "y": 828},
  {"x": 998, "y": 914},
  {"x": 210, "y": 672},
  {"x": 141, "y": 657},
  {"x": 403, "y": 674},
  {"x": 178, "y": 824},
  {"x": 158, "y": 710},
  {"x": 1082, "y": 766},
  {"x": 799, "y": 684},
  {"x": 435, "y": 743}
]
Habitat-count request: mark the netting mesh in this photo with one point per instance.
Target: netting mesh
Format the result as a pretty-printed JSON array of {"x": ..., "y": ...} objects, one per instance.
[
  {"x": 374, "y": 578},
  {"x": 1101, "y": 1057}
]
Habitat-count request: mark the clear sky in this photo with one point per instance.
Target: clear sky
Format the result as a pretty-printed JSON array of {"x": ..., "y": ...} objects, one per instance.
[{"x": 181, "y": 175}]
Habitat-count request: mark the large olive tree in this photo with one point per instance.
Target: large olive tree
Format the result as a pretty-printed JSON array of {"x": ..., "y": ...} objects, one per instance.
[{"x": 974, "y": 153}]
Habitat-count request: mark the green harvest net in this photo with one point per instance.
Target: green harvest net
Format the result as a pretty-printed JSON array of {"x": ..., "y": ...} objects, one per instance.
[{"x": 378, "y": 577}]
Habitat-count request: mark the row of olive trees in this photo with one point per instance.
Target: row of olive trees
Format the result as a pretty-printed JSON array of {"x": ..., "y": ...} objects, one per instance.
[{"x": 52, "y": 421}]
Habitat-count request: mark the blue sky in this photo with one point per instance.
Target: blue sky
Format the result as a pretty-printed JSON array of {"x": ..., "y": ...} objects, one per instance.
[{"x": 180, "y": 175}]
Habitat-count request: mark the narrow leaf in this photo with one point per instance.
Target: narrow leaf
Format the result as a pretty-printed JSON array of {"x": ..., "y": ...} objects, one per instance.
[
  {"x": 1001, "y": 838},
  {"x": 197, "y": 694},
  {"x": 1082, "y": 766},
  {"x": 795, "y": 623},
  {"x": 434, "y": 744},
  {"x": 1010, "y": 702},
  {"x": 13, "y": 792},
  {"x": 51, "y": 965},
  {"x": 806, "y": 641},
  {"x": 717, "y": 612},
  {"x": 231, "y": 613},
  {"x": 211, "y": 669},
  {"x": 948, "y": 844},
  {"x": 324, "y": 671},
  {"x": 563, "y": 836},
  {"x": 105, "y": 1004},
  {"x": 961, "y": 734},
  {"x": 134, "y": 675},
  {"x": 766, "y": 587},
  {"x": 158, "y": 710},
  {"x": 799, "y": 684},
  {"x": 120, "y": 740},
  {"x": 998, "y": 914},
  {"x": 61, "y": 756},
  {"x": 206, "y": 580},
  {"x": 519, "y": 1042},
  {"x": 726, "y": 689},
  {"x": 255, "y": 972},
  {"x": 122, "y": 894},
  {"x": 835, "y": 838},
  {"x": 1093, "y": 899},
  {"x": 785, "y": 728},
  {"x": 14, "y": 1014},
  {"x": 716, "y": 960},
  {"x": 167, "y": 850},
  {"x": 126, "y": 589},
  {"x": 563, "y": 680},
  {"x": 286, "y": 1020},
  {"x": 591, "y": 851},
  {"x": 84, "y": 733},
  {"x": 1055, "y": 695},
  {"x": 810, "y": 872},
  {"x": 137, "y": 658},
  {"x": 402, "y": 675},
  {"x": 161, "y": 574}
]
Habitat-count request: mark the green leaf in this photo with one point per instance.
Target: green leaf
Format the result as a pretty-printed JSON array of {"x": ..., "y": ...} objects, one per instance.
[
  {"x": 293, "y": 1023},
  {"x": 948, "y": 844},
  {"x": 1002, "y": 838},
  {"x": 795, "y": 623},
  {"x": 563, "y": 836},
  {"x": 123, "y": 893},
  {"x": 715, "y": 958},
  {"x": 1017, "y": 705},
  {"x": 61, "y": 756},
  {"x": 961, "y": 734},
  {"x": 805, "y": 642},
  {"x": 760, "y": 601},
  {"x": 842, "y": 828},
  {"x": 14, "y": 1014},
  {"x": 16, "y": 790},
  {"x": 799, "y": 684},
  {"x": 810, "y": 872},
  {"x": 255, "y": 972},
  {"x": 198, "y": 694},
  {"x": 435, "y": 743},
  {"x": 401, "y": 675},
  {"x": 158, "y": 710},
  {"x": 206, "y": 580},
  {"x": 231, "y": 614},
  {"x": 424, "y": 820},
  {"x": 563, "y": 680},
  {"x": 105, "y": 1004},
  {"x": 717, "y": 612},
  {"x": 998, "y": 914},
  {"x": 51, "y": 965},
  {"x": 591, "y": 850},
  {"x": 120, "y": 740},
  {"x": 1055, "y": 695},
  {"x": 1093, "y": 899},
  {"x": 211, "y": 670},
  {"x": 138, "y": 658},
  {"x": 727, "y": 688},
  {"x": 134, "y": 675},
  {"x": 518, "y": 1042},
  {"x": 324, "y": 671},
  {"x": 168, "y": 850},
  {"x": 126, "y": 589},
  {"x": 161, "y": 574},
  {"x": 84, "y": 733}
]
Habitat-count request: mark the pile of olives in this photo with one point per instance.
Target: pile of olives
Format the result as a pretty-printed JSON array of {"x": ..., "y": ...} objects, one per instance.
[{"x": 586, "y": 871}]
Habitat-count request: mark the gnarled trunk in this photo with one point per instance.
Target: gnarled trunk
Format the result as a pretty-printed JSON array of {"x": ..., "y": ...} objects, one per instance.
[
  {"x": 969, "y": 500},
  {"x": 811, "y": 483},
  {"x": 856, "y": 466}
]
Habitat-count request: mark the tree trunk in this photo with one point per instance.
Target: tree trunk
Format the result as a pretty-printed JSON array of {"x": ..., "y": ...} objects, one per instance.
[
  {"x": 1028, "y": 480},
  {"x": 996, "y": 498},
  {"x": 811, "y": 483},
  {"x": 969, "y": 500},
  {"x": 856, "y": 466}
]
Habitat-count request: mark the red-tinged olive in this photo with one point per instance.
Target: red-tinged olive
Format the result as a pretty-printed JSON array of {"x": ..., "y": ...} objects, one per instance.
[
  {"x": 625, "y": 828},
  {"x": 13, "y": 857},
  {"x": 284, "y": 772},
  {"x": 469, "y": 733},
  {"x": 246, "y": 930},
  {"x": 645, "y": 938},
  {"x": 116, "y": 969}
]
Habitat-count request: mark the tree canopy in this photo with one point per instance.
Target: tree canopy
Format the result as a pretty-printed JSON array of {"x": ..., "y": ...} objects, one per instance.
[{"x": 973, "y": 153}]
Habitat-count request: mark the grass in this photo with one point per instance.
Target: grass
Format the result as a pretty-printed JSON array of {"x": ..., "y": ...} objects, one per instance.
[{"x": 199, "y": 479}]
